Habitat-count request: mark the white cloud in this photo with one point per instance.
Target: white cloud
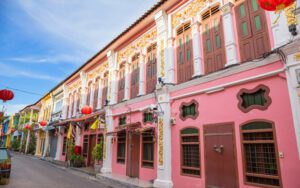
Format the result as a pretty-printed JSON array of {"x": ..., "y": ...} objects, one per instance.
[
  {"x": 57, "y": 59},
  {"x": 13, "y": 108},
  {"x": 14, "y": 72},
  {"x": 89, "y": 24}
]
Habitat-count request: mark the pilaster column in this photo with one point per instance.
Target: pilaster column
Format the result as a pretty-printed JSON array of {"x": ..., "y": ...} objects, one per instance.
[
  {"x": 197, "y": 50},
  {"x": 163, "y": 60},
  {"x": 142, "y": 74},
  {"x": 164, "y": 168},
  {"x": 100, "y": 88},
  {"x": 170, "y": 60},
  {"x": 107, "y": 146},
  {"x": 112, "y": 85},
  {"x": 70, "y": 106},
  {"x": 46, "y": 146},
  {"x": 127, "y": 80},
  {"x": 229, "y": 34},
  {"x": 83, "y": 77},
  {"x": 77, "y": 136}
]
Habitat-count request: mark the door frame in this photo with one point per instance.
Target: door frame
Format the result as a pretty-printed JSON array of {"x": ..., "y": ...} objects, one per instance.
[
  {"x": 128, "y": 156},
  {"x": 232, "y": 123},
  {"x": 89, "y": 157}
]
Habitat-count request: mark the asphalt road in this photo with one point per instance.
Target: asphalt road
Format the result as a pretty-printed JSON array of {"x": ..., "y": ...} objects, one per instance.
[{"x": 33, "y": 173}]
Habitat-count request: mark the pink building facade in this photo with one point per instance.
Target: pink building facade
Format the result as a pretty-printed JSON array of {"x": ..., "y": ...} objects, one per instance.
[{"x": 193, "y": 94}]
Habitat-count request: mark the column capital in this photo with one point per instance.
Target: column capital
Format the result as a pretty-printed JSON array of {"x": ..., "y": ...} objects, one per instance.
[{"x": 227, "y": 8}]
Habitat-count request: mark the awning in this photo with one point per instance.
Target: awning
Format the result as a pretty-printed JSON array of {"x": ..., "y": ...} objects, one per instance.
[
  {"x": 116, "y": 131},
  {"x": 144, "y": 129},
  {"x": 49, "y": 128}
]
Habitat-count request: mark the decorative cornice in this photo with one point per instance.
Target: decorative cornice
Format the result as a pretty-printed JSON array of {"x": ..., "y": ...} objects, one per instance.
[
  {"x": 189, "y": 11},
  {"x": 97, "y": 71},
  {"x": 138, "y": 44}
]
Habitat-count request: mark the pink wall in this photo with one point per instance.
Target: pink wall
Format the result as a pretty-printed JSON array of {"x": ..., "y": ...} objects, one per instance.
[
  {"x": 212, "y": 111},
  {"x": 145, "y": 173}
]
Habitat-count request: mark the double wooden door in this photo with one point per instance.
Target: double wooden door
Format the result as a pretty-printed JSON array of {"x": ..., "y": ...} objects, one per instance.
[
  {"x": 220, "y": 158},
  {"x": 133, "y": 155}
]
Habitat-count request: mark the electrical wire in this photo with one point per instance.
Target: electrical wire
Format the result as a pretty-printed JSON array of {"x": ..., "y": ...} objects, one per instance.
[{"x": 21, "y": 90}]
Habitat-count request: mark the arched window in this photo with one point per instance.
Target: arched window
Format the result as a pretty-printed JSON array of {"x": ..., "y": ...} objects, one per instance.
[
  {"x": 135, "y": 76},
  {"x": 121, "y": 83},
  {"x": 185, "y": 69},
  {"x": 213, "y": 40},
  {"x": 260, "y": 154},
  {"x": 252, "y": 30},
  {"x": 190, "y": 152},
  {"x": 151, "y": 68}
]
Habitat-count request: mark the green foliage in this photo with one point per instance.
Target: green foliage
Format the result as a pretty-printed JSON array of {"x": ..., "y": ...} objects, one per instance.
[
  {"x": 97, "y": 152},
  {"x": 75, "y": 160},
  {"x": 15, "y": 144}
]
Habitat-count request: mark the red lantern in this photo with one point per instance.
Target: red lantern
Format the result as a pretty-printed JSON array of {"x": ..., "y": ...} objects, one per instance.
[
  {"x": 28, "y": 127},
  {"x": 6, "y": 95},
  {"x": 275, "y": 5},
  {"x": 86, "y": 110},
  {"x": 43, "y": 123}
]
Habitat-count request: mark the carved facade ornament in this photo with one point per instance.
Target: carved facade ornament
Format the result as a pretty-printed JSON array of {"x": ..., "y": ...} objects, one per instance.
[
  {"x": 75, "y": 85},
  {"x": 162, "y": 58},
  {"x": 140, "y": 43},
  {"x": 160, "y": 141},
  {"x": 290, "y": 14},
  {"x": 97, "y": 71},
  {"x": 190, "y": 11}
]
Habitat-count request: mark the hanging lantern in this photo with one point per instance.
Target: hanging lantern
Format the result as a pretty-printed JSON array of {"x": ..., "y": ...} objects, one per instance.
[
  {"x": 6, "y": 95},
  {"x": 43, "y": 123},
  {"x": 275, "y": 5},
  {"x": 27, "y": 127},
  {"x": 86, "y": 110}
]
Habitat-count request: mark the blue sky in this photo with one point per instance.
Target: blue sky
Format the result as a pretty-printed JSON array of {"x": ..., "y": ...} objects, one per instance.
[{"x": 43, "y": 41}]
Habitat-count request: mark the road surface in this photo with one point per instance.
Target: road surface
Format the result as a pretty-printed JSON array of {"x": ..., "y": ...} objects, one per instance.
[{"x": 33, "y": 173}]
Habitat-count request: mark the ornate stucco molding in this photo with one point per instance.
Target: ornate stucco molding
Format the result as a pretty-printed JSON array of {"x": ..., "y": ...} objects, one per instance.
[
  {"x": 161, "y": 141},
  {"x": 140, "y": 43},
  {"x": 189, "y": 11}
]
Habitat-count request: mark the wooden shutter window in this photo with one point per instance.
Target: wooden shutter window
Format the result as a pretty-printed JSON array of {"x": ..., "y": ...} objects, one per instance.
[
  {"x": 104, "y": 90},
  {"x": 252, "y": 30},
  {"x": 64, "y": 151},
  {"x": 190, "y": 152},
  {"x": 148, "y": 149},
  {"x": 151, "y": 69},
  {"x": 85, "y": 145},
  {"x": 135, "y": 76},
  {"x": 121, "y": 83},
  {"x": 184, "y": 51},
  {"x": 261, "y": 164},
  {"x": 213, "y": 40},
  {"x": 121, "y": 150},
  {"x": 96, "y": 90}
]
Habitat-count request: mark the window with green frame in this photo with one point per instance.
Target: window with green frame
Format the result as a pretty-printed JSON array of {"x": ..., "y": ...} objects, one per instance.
[
  {"x": 189, "y": 110},
  {"x": 256, "y": 98},
  {"x": 148, "y": 117},
  {"x": 122, "y": 120}
]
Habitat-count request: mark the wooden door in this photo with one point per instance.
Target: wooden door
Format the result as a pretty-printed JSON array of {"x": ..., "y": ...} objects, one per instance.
[
  {"x": 220, "y": 158},
  {"x": 92, "y": 143},
  {"x": 133, "y": 155},
  {"x": 252, "y": 30},
  {"x": 53, "y": 145}
]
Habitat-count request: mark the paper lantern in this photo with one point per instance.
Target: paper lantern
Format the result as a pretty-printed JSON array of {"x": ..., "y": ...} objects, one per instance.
[
  {"x": 275, "y": 5},
  {"x": 6, "y": 95},
  {"x": 43, "y": 123},
  {"x": 27, "y": 127},
  {"x": 86, "y": 110}
]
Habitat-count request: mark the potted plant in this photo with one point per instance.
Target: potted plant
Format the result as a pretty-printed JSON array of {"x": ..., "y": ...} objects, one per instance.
[
  {"x": 77, "y": 160},
  {"x": 97, "y": 154}
]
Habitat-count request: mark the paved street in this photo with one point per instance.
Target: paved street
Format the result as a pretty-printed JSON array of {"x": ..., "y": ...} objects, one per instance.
[{"x": 33, "y": 173}]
